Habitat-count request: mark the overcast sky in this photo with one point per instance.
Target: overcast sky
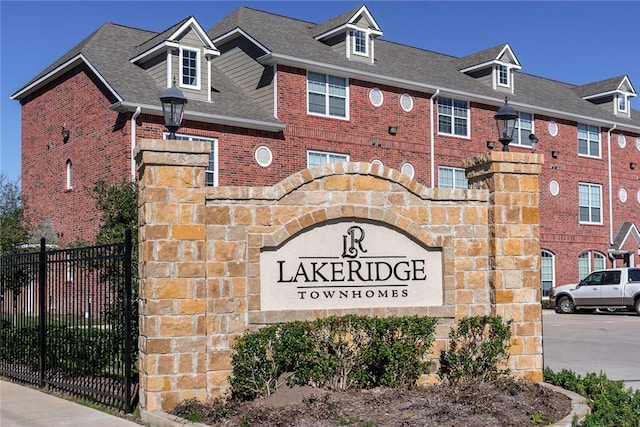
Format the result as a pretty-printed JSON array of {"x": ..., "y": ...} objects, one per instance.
[{"x": 574, "y": 42}]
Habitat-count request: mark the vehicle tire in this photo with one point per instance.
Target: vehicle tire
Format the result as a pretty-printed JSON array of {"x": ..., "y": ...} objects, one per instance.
[
  {"x": 638, "y": 306},
  {"x": 565, "y": 305}
]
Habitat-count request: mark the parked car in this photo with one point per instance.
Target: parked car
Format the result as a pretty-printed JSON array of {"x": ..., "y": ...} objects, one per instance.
[{"x": 612, "y": 289}]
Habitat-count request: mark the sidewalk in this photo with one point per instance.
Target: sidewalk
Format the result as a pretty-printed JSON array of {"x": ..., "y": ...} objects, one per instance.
[{"x": 22, "y": 406}]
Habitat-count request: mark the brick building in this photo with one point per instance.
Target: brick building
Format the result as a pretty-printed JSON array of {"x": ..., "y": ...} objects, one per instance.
[{"x": 275, "y": 95}]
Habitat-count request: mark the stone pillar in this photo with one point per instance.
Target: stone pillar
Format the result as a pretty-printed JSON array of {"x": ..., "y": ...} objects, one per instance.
[
  {"x": 514, "y": 229},
  {"x": 172, "y": 267}
]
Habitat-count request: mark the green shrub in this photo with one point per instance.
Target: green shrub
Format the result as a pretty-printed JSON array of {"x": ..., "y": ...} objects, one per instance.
[
  {"x": 610, "y": 403},
  {"x": 337, "y": 353},
  {"x": 477, "y": 345},
  {"x": 70, "y": 351}
]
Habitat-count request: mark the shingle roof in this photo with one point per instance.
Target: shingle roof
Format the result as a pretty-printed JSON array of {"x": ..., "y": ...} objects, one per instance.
[
  {"x": 603, "y": 86},
  {"x": 159, "y": 38},
  {"x": 294, "y": 38},
  {"x": 109, "y": 51},
  {"x": 111, "y": 47},
  {"x": 481, "y": 57},
  {"x": 334, "y": 22},
  {"x": 622, "y": 234}
]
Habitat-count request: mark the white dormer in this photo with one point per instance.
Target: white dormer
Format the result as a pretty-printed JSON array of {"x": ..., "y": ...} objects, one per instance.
[
  {"x": 495, "y": 66},
  {"x": 184, "y": 53},
  {"x": 612, "y": 94},
  {"x": 354, "y": 33}
]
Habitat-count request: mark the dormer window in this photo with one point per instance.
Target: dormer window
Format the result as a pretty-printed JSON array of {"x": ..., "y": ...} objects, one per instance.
[
  {"x": 503, "y": 75},
  {"x": 622, "y": 102},
  {"x": 360, "y": 42},
  {"x": 190, "y": 68}
]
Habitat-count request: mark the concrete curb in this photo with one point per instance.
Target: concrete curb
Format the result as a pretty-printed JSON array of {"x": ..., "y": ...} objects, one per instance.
[{"x": 579, "y": 411}]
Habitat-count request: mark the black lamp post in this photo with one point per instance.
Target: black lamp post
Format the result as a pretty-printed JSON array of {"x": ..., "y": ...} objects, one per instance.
[
  {"x": 506, "y": 120},
  {"x": 173, "y": 102}
]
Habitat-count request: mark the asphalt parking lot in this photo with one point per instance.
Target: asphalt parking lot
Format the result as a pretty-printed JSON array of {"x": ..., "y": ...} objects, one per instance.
[{"x": 583, "y": 343}]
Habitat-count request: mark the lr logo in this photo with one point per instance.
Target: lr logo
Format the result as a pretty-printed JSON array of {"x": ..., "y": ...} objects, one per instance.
[{"x": 352, "y": 242}]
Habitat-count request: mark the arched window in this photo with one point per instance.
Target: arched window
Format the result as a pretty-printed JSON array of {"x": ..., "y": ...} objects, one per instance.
[
  {"x": 590, "y": 261},
  {"x": 69, "y": 175},
  {"x": 547, "y": 272}
]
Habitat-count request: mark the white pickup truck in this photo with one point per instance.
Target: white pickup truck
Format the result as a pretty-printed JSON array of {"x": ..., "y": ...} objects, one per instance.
[{"x": 615, "y": 288}]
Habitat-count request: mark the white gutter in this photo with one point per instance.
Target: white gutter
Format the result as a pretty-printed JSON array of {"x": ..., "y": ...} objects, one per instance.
[
  {"x": 133, "y": 142},
  {"x": 340, "y": 71},
  {"x": 610, "y": 183},
  {"x": 207, "y": 118},
  {"x": 432, "y": 140}
]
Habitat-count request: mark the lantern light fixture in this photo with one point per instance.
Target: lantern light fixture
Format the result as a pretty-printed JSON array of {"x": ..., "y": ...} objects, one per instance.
[
  {"x": 173, "y": 102},
  {"x": 506, "y": 120}
]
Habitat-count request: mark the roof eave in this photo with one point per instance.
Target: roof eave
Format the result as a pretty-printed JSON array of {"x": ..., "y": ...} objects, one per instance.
[
  {"x": 237, "y": 32},
  {"x": 61, "y": 69},
  {"x": 124, "y": 106},
  {"x": 165, "y": 45},
  {"x": 274, "y": 58}
]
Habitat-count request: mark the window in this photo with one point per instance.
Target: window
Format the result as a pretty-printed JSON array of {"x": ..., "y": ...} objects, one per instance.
[
  {"x": 622, "y": 102},
  {"x": 327, "y": 95},
  {"x": 524, "y": 128},
  {"x": 190, "y": 60},
  {"x": 588, "y": 140},
  {"x": 585, "y": 261},
  {"x": 317, "y": 158},
  {"x": 452, "y": 178},
  {"x": 359, "y": 42},
  {"x": 211, "y": 173},
  {"x": 503, "y": 75},
  {"x": 453, "y": 117},
  {"x": 69, "y": 185},
  {"x": 590, "y": 201},
  {"x": 69, "y": 269},
  {"x": 547, "y": 272}
]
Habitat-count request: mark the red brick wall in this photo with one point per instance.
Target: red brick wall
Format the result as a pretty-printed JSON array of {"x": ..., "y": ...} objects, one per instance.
[
  {"x": 100, "y": 142},
  {"x": 98, "y": 148}
]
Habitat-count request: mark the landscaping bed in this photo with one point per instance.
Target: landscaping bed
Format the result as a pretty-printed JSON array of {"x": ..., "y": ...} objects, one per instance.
[{"x": 503, "y": 402}]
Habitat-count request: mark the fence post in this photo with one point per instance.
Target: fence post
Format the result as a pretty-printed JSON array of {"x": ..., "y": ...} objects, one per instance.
[
  {"x": 127, "y": 321},
  {"x": 42, "y": 271}
]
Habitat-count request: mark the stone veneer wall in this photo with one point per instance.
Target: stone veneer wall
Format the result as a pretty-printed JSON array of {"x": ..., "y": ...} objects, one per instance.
[{"x": 200, "y": 254}]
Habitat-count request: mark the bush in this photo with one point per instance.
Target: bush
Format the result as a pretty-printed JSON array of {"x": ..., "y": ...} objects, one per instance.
[
  {"x": 337, "y": 353},
  {"x": 70, "y": 351},
  {"x": 476, "y": 348},
  {"x": 610, "y": 404}
]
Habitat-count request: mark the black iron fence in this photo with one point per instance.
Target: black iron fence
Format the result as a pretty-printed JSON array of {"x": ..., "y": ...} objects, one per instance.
[{"x": 66, "y": 321}]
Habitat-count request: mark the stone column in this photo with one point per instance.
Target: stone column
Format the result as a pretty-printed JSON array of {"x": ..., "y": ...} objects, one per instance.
[
  {"x": 172, "y": 267},
  {"x": 514, "y": 232}
]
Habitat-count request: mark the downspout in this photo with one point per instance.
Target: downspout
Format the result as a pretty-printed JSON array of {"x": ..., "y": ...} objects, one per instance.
[
  {"x": 610, "y": 184},
  {"x": 432, "y": 142},
  {"x": 133, "y": 142}
]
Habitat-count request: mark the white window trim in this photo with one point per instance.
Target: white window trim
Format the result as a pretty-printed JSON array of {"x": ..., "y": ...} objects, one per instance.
[
  {"x": 468, "y": 135},
  {"x": 508, "y": 73},
  {"x": 181, "y": 68},
  {"x": 590, "y": 185},
  {"x": 346, "y": 98},
  {"x": 617, "y": 103},
  {"x": 214, "y": 150},
  {"x": 326, "y": 154},
  {"x": 552, "y": 256},
  {"x": 366, "y": 43},
  {"x": 69, "y": 175},
  {"x": 599, "y": 156},
  {"x": 453, "y": 170},
  {"x": 518, "y": 128},
  {"x": 591, "y": 256}
]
